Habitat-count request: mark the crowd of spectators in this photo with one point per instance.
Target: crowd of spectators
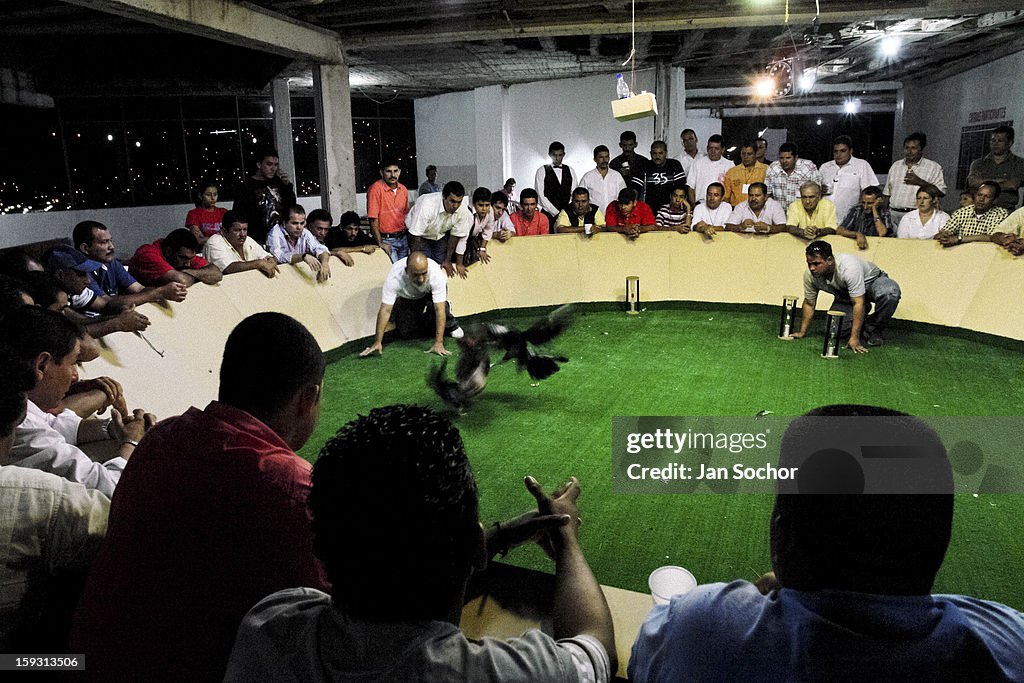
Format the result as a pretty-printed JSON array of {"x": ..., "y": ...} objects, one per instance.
[{"x": 211, "y": 550}]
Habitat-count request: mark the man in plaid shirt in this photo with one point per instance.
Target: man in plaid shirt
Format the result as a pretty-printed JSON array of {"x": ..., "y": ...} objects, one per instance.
[
  {"x": 975, "y": 223},
  {"x": 788, "y": 173}
]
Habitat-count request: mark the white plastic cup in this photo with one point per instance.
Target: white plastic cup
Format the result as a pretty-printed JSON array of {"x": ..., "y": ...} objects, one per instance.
[
  {"x": 587, "y": 227},
  {"x": 668, "y": 581}
]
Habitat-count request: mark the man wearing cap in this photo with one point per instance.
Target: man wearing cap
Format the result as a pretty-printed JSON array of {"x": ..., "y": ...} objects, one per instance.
[
  {"x": 73, "y": 272},
  {"x": 856, "y": 283}
]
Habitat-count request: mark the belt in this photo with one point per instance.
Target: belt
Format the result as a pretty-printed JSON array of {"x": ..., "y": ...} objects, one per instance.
[{"x": 396, "y": 234}]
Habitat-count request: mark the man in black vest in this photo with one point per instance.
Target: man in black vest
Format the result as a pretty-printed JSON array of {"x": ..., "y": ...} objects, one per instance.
[
  {"x": 554, "y": 183},
  {"x": 581, "y": 215}
]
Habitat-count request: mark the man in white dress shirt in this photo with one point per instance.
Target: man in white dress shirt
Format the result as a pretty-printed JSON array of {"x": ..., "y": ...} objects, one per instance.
[
  {"x": 707, "y": 170},
  {"x": 713, "y": 213},
  {"x": 603, "y": 183},
  {"x": 846, "y": 176},
  {"x": 908, "y": 175}
]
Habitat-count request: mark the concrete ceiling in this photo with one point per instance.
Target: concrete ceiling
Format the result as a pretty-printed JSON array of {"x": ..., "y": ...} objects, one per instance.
[{"x": 412, "y": 48}]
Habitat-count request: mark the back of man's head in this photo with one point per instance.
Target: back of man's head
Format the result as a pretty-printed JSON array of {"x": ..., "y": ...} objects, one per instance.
[
  {"x": 180, "y": 238},
  {"x": 12, "y": 294},
  {"x": 30, "y": 331},
  {"x": 886, "y": 544},
  {"x": 16, "y": 379},
  {"x": 407, "y": 554},
  {"x": 262, "y": 389}
]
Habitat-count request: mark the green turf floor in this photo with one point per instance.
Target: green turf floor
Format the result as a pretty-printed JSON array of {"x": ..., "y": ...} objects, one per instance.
[{"x": 707, "y": 361}]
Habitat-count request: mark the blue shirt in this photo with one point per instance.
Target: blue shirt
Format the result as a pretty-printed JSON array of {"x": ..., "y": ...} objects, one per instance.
[
  {"x": 730, "y": 632},
  {"x": 112, "y": 280}
]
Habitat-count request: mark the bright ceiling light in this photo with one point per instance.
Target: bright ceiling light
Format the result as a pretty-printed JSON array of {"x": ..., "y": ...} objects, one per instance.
[
  {"x": 806, "y": 81},
  {"x": 764, "y": 87},
  {"x": 851, "y": 106},
  {"x": 890, "y": 46}
]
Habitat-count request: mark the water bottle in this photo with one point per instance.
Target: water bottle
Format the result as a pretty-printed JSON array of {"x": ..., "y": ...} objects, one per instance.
[{"x": 621, "y": 88}]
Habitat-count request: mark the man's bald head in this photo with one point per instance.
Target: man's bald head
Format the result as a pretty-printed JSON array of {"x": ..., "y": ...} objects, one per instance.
[{"x": 416, "y": 268}]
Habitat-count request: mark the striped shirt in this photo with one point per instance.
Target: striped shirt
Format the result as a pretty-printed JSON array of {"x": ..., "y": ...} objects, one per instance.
[
  {"x": 667, "y": 218},
  {"x": 784, "y": 188}
]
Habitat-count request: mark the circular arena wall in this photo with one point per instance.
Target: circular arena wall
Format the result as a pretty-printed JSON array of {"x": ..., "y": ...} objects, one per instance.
[{"x": 975, "y": 287}]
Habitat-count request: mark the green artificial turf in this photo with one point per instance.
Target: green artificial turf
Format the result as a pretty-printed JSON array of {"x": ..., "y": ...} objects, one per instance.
[{"x": 705, "y": 360}]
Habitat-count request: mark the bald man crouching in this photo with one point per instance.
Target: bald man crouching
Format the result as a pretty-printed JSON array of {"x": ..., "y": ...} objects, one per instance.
[{"x": 416, "y": 291}]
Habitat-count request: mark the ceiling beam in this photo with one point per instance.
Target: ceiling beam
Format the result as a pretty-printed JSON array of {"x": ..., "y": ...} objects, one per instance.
[
  {"x": 720, "y": 17},
  {"x": 230, "y": 22}
]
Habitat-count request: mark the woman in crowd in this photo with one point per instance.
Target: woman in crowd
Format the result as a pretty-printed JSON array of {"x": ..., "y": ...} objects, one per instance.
[
  {"x": 205, "y": 219},
  {"x": 927, "y": 220}
]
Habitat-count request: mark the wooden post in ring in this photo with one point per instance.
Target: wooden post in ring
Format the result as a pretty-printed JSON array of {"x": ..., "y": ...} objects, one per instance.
[
  {"x": 832, "y": 330},
  {"x": 633, "y": 295}
]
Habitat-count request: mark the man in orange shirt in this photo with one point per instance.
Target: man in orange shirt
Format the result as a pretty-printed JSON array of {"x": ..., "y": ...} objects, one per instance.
[
  {"x": 528, "y": 220},
  {"x": 387, "y": 202},
  {"x": 739, "y": 178}
]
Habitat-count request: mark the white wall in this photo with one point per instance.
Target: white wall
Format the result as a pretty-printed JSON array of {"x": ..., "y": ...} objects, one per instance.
[
  {"x": 446, "y": 137},
  {"x": 941, "y": 109}
]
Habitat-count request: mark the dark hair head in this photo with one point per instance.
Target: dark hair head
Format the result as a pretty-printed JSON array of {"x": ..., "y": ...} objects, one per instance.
[
  {"x": 627, "y": 135},
  {"x": 260, "y": 388},
  {"x": 599, "y": 149},
  {"x": 528, "y": 193},
  {"x": 789, "y": 147},
  {"x": 627, "y": 195},
  {"x": 996, "y": 189},
  {"x": 82, "y": 233},
  {"x": 580, "y": 191},
  {"x": 688, "y": 130},
  {"x": 919, "y": 136},
  {"x": 933, "y": 191},
  {"x": 43, "y": 288},
  {"x": 12, "y": 294},
  {"x": 429, "y": 168},
  {"x": 659, "y": 143},
  {"x": 509, "y": 181},
  {"x": 296, "y": 209},
  {"x": 752, "y": 144},
  {"x": 556, "y": 146},
  {"x": 717, "y": 184},
  {"x": 230, "y": 218},
  {"x": 30, "y": 331},
  {"x": 764, "y": 188},
  {"x": 389, "y": 161},
  {"x": 843, "y": 140},
  {"x": 349, "y": 218},
  {"x": 888, "y": 544},
  {"x": 715, "y": 138},
  {"x": 819, "y": 248},
  {"x": 179, "y": 239},
  {"x": 872, "y": 191},
  {"x": 499, "y": 197},
  {"x": 453, "y": 188},
  {"x": 200, "y": 188},
  {"x": 16, "y": 379},
  {"x": 1006, "y": 130},
  {"x": 15, "y": 263},
  {"x": 319, "y": 215},
  {"x": 481, "y": 194},
  {"x": 264, "y": 151},
  {"x": 422, "y": 539}
]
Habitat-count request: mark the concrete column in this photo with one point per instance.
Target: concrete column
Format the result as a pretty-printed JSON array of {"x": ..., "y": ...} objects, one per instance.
[
  {"x": 283, "y": 128},
  {"x": 334, "y": 138},
  {"x": 663, "y": 88},
  {"x": 899, "y": 127},
  {"x": 676, "y": 106}
]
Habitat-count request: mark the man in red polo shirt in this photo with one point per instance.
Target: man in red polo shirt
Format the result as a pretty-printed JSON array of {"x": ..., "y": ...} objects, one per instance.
[
  {"x": 212, "y": 519},
  {"x": 387, "y": 202},
  {"x": 629, "y": 215},
  {"x": 528, "y": 220},
  {"x": 173, "y": 259}
]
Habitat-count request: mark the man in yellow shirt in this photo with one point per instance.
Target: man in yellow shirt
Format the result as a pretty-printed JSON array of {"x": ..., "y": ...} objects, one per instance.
[
  {"x": 812, "y": 216},
  {"x": 738, "y": 178}
]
